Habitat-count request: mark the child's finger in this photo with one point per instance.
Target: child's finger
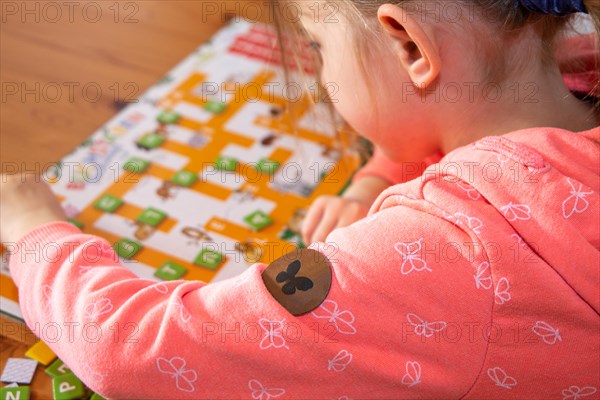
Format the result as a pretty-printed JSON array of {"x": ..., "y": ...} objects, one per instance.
[
  {"x": 352, "y": 213},
  {"x": 326, "y": 224},
  {"x": 311, "y": 220}
]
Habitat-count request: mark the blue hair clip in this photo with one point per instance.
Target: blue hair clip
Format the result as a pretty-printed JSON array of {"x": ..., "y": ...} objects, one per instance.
[{"x": 554, "y": 7}]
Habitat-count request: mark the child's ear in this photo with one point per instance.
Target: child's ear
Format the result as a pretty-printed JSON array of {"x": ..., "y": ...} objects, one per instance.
[{"x": 416, "y": 48}]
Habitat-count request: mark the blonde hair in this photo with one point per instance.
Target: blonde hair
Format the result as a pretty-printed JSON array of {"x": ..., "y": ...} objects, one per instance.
[{"x": 509, "y": 18}]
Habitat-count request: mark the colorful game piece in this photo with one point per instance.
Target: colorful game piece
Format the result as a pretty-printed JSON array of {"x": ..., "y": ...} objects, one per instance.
[
  {"x": 288, "y": 234},
  {"x": 226, "y": 163},
  {"x": 170, "y": 271},
  {"x": 136, "y": 165},
  {"x": 150, "y": 141},
  {"x": 78, "y": 224},
  {"x": 184, "y": 178},
  {"x": 267, "y": 166},
  {"x": 258, "y": 220},
  {"x": 209, "y": 259},
  {"x": 41, "y": 353},
  {"x": 152, "y": 217},
  {"x": 67, "y": 387},
  {"x": 19, "y": 370},
  {"x": 108, "y": 203},
  {"x": 168, "y": 117},
  {"x": 96, "y": 396},
  {"x": 14, "y": 393},
  {"x": 215, "y": 107},
  {"x": 57, "y": 368},
  {"x": 127, "y": 248}
]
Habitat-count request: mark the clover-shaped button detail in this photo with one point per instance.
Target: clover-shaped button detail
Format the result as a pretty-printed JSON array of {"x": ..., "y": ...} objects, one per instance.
[
  {"x": 293, "y": 282},
  {"x": 299, "y": 281}
]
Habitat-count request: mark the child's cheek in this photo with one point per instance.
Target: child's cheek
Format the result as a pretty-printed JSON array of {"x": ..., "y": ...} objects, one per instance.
[{"x": 349, "y": 95}]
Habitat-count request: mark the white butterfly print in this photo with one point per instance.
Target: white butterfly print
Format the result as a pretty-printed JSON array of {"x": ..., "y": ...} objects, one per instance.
[
  {"x": 483, "y": 277},
  {"x": 106, "y": 250},
  {"x": 411, "y": 260},
  {"x": 259, "y": 392},
  {"x": 84, "y": 268},
  {"x": 400, "y": 197},
  {"x": 175, "y": 367},
  {"x": 514, "y": 212},
  {"x": 501, "y": 291},
  {"x": 184, "y": 314},
  {"x": 47, "y": 292},
  {"x": 501, "y": 378},
  {"x": 161, "y": 287},
  {"x": 576, "y": 203},
  {"x": 520, "y": 241},
  {"x": 273, "y": 334},
  {"x": 548, "y": 334},
  {"x": 413, "y": 374},
  {"x": 370, "y": 219},
  {"x": 471, "y": 192},
  {"x": 342, "y": 320},
  {"x": 503, "y": 159},
  {"x": 423, "y": 328},
  {"x": 473, "y": 223},
  {"x": 94, "y": 310},
  {"x": 576, "y": 392},
  {"x": 340, "y": 361},
  {"x": 92, "y": 375}
]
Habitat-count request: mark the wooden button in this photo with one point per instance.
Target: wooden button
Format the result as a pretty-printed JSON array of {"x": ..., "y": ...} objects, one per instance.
[{"x": 299, "y": 281}]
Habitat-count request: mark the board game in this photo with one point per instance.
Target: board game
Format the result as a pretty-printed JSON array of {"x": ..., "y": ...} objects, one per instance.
[{"x": 204, "y": 175}]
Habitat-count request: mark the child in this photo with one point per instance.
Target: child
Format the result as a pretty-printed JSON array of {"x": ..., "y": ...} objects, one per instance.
[{"x": 478, "y": 280}]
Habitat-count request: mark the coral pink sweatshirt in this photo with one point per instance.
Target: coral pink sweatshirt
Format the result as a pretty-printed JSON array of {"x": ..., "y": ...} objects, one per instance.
[{"x": 479, "y": 280}]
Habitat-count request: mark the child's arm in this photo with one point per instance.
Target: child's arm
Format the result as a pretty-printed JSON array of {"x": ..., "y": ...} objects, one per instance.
[
  {"x": 394, "y": 172},
  {"x": 128, "y": 337}
]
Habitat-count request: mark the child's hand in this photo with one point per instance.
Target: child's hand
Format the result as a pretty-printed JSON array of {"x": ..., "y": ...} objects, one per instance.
[
  {"x": 26, "y": 202},
  {"x": 331, "y": 212},
  {"x": 328, "y": 213}
]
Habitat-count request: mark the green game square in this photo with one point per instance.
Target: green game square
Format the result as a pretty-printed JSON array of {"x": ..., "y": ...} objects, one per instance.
[
  {"x": 127, "y": 248},
  {"x": 209, "y": 259},
  {"x": 20, "y": 392},
  {"x": 67, "y": 387},
  {"x": 151, "y": 140},
  {"x": 168, "y": 117},
  {"x": 78, "y": 224},
  {"x": 185, "y": 178},
  {"x": 57, "y": 368},
  {"x": 136, "y": 165},
  {"x": 258, "y": 220},
  {"x": 215, "y": 107},
  {"x": 96, "y": 396},
  {"x": 108, "y": 203},
  {"x": 226, "y": 163},
  {"x": 267, "y": 166},
  {"x": 170, "y": 271},
  {"x": 152, "y": 216}
]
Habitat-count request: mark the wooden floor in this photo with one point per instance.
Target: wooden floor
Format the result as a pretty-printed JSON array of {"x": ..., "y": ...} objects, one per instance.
[
  {"x": 62, "y": 80},
  {"x": 51, "y": 67}
]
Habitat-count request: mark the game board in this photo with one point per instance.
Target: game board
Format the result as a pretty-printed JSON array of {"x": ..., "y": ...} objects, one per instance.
[{"x": 204, "y": 175}]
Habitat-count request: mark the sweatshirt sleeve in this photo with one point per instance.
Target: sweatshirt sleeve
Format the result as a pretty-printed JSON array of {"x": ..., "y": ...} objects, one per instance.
[
  {"x": 380, "y": 333},
  {"x": 392, "y": 171}
]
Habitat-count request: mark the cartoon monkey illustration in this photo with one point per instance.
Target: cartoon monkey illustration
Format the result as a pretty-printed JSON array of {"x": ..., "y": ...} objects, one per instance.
[{"x": 165, "y": 192}]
